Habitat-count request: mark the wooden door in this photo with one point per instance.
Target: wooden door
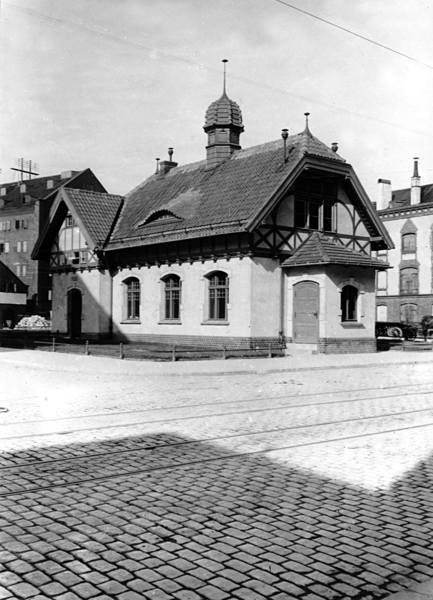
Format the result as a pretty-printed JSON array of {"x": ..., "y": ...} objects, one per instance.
[
  {"x": 74, "y": 313},
  {"x": 306, "y": 312}
]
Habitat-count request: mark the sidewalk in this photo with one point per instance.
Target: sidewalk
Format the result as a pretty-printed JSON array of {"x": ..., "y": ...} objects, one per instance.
[{"x": 73, "y": 362}]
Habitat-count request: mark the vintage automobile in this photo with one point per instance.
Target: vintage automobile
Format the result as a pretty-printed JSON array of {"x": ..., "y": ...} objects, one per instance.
[{"x": 408, "y": 331}]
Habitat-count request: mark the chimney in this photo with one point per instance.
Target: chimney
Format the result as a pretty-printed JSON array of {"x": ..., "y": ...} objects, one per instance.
[
  {"x": 385, "y": 194},
  {"x": 68, "y": 174},
  {"x": 334, "y": 146},
  {"x": 166, "y": 165},
  {"x": 50, "y": 184},
  {"x": 415, "y": 188}
]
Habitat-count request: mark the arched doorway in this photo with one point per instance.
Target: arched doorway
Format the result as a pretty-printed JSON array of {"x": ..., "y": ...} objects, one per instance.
[
  {"x": 306, "y": 312},
  {"x": 75, "y": 306}
]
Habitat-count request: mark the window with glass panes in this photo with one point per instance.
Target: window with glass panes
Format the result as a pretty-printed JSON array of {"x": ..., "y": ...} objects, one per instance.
[
  {"x": 409, "y": 242},
  {"x": 409, "y": 280},
  {"x": 314, "y": 204},
  {"x": 172, "y": 289},
  {"x": 349, "y": 300},
  {"x": 70, "y": 244},
  {"x": 218, "y": 296},
  {"x": 132, "y": 298},
  {"x": 409, "y": 312}
]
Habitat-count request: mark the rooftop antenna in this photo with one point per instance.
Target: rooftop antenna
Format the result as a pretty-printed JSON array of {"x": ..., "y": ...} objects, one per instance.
[
  {"x": 224, "y": 61},
  {"x": 25, "y": 166}
]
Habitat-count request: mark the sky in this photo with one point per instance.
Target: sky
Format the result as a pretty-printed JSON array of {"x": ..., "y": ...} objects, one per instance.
[{"x": 111, "y": 84}]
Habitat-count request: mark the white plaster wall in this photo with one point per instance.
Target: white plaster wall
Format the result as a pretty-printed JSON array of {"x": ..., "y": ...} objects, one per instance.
[
  {"x": 95, "y": 288},
  {"x": 423, "y": 252},
  {"x": 265, "y": 297},
  {"x": 193, "y": 312},
  {"x": 330, "y": 279}
]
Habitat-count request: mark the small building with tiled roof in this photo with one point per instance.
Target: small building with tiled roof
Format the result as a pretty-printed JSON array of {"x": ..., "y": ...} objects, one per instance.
[
  {"x": 215, "y": 252},
  {"x": 24, "y": 209},
  {"x": 406, "y": 292},
  {"x": 13, "y": 297}
]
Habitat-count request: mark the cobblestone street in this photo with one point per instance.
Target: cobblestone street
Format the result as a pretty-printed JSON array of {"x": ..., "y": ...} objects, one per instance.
[{"x": 309, "y": 484}]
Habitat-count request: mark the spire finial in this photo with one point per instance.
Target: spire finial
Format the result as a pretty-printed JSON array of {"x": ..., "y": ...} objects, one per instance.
[{"x": 224, "y": 61}]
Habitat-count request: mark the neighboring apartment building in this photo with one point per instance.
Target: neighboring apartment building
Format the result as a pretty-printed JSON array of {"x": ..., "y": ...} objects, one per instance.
[
  {"x": 249, "y": 245},
  {"x": 24, "y": 209},
  {"x": 405, "y": 292}
]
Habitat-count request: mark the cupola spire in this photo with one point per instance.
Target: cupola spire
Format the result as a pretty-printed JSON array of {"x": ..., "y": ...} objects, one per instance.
[
  {"x": 223, "y": 125},
  {"x": 225, "y": 61}
]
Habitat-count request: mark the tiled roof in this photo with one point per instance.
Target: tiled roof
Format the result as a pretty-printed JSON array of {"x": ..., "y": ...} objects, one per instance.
[
  {"x": 319, "y": 249},
  {"x": 97, "y": 212},
  {"x": 204, "y": 201},
  {"x": 35, "y": 188},
  {"x": 8, "y": 276},
  {"x": 223, "y": 112},
  {"x": 401, "y": 198}
]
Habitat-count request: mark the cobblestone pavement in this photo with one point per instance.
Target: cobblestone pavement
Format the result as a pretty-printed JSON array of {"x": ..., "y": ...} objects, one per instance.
[{"x": 309, "y": 485}]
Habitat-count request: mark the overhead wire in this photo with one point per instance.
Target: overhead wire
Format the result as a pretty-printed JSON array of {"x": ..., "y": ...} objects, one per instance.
[
  {"x": 362, "y": 37},
  {"x": 166, "y": 56}
]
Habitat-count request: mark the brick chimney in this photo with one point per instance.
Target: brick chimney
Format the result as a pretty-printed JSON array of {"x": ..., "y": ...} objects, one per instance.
[
  {"x": 385, "y": 194},
  {"x": 415, "y": 187},
  {"x": 166, "y": 165}
]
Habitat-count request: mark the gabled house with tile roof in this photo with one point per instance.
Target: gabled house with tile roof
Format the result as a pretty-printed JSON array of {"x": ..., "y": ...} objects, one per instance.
[
  {"x": 217, "y": 252},
  {"x": 24, "y": 208},
  {"x": 406, "y": 292}
]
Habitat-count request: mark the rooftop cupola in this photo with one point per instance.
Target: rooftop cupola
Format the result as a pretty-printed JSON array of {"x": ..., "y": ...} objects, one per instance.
[
  {"x": 223, "y": 125},
  {"x": 415, "y": 188}
]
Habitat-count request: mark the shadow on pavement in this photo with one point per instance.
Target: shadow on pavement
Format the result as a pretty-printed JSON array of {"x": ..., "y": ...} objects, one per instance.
[{"x": 230, "y": 527}]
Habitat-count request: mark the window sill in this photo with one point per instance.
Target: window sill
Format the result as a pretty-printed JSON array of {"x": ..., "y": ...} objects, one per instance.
[
  {"x": 130, "y": 322},
  {"x": 352, "y": 325},
  {"x": 214, "y": 323},
  {"x": 170, "y": 322}
]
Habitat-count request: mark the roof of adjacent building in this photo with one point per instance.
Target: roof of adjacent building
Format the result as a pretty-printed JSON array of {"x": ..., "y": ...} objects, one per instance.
[
  {"x": 197, "y": 202},
  {"x": 401, "y": 198},
  {"x": 8, "y": 276},
  {"x": 318, "y": 249},
  {"x": 97, "y": 212},
  {"x": 37, "y": 188}
]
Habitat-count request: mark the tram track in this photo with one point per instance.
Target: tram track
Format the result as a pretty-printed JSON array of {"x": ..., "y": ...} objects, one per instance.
[
  {"x": 210, "y": 439},
  {"x": 216, "y": 404},
  {"x": 191, "y": 463}
]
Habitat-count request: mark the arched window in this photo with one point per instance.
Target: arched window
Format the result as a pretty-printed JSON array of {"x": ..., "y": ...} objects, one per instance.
[
  {"x": 409, "y": 312},
  {"x": 132, "y": 298},
  {"x": 408, "y": 242},
  {"x": 409, "y": 281},
  {"x": 349, "y": 302},
  {"x": 218, "y": 296},
  {"x": 172, "y": 291}
]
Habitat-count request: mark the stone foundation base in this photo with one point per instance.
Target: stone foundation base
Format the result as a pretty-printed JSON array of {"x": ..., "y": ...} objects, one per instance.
[
  {"x": 346, "y": 345},
  {"x": 199, "y": 340}
]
